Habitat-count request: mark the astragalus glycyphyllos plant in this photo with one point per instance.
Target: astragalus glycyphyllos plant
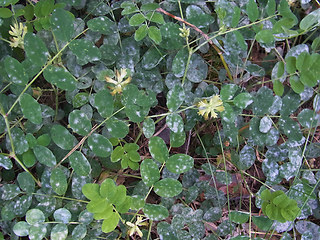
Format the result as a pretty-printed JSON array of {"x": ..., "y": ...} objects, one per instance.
[{"x": 159, "y": 119}]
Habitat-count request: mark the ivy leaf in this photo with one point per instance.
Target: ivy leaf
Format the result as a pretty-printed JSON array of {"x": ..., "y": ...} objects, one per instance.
[
  {"x": 35, "y": 49},
  {"x": 30, "y": 108},
  {"x": 158, "y": 149},
  {"x": 168, "y": 187},
  {"x": 155, "y": 212},
  {"x": 62, "y": 24},
  {"x": 58, "y": 181},
  {"x": 100, "y": 145},
  {"x": 149, "y": 172},
  {"x": 79, "y": 163},
  {"x": 179, "y": 163}
]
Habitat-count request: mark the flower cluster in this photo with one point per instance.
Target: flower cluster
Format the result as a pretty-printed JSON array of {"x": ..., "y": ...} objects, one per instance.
[
  {"x": 135, "y": 227},
  {"x": 206, "y": 108},
  {"x": 119, "y": 83},
  {"x": 18, "y": 31}
]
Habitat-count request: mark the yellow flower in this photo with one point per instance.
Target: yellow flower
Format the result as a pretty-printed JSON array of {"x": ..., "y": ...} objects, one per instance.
[
  {"x": 18, "y": 31},
  {"x": 119, "y": 83},
  {"x": 135, "y": 227},
  {"x": 185, "y": 32},
  {"x": 206, "y": 108}
]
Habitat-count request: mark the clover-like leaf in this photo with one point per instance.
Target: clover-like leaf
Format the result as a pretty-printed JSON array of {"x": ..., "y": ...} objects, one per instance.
[
  {"x": 35, "y": 49},
  {"x": 103, "y": 101},
  {"x": 44, "y": 156},
  {"x": 175, "y": 97},
  {"x": 155, "y": 212},
  {"x": 168, "y": 187},
  {"x": 117, "y": 128},
  {"x": 158, "y": 149},
  {"x": 62, "y": 137},
  {"x": 59, "y": 232},
  {"x": 79, "y": 232},
  {"x": 243, "y": 100},
  {"x": 58, "y": 181},
  {"x": 109, "y": 224},
  {"x": 62, "y": 215},
  {"x": 79, "y": 122},
  {"x": 5, "y": 162},
  {"x": 155, "y": 34},
  {"x": 30, "y": 108},
  {"x": 15, "y": 70},
  {"x": 149, "y": 172},
  {"x": 175, "y": 123},
  {"x": 179, "y": 163},
  {"x": 79, "y": 163},
  {"x": 62, "y": 24},
  {"x": 26, "y": 182},
  {"x": 197, "y": 70},
  {"x": 21, "y": 229},
  {"x": 85, "y": 51},
  {"x": 148, "y": 127},
  {"x": 100, "y": 145},
  {"x": 102, "y": 24},
  {"x": 35, "y": 217},
  {"x": 60, "y": 77}
]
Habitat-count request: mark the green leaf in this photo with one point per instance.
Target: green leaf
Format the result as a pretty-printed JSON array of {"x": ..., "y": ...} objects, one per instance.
[
  {"x": 196, "y": 16},
  {"x": 290, "y": 103},
  {"x": 85, "y": 51},
  {"x": 102, "y": 25},
  {"x": 236, "y": 16},
  {"x": 117, "y": 154},
  {"x": 149, "y": 172},
  {"x": 307, "y": 118},
  {"x": 44, "y": 156},
  {"x": 149, "y": 7},
  {"x": 58, "y": 181},
  {"x": 175, "y": 123},
  {"x": 129, "y": 7},
  {"x": 148, "y": 127},
  {"x": 238, "y": 217},
  {"x": 79, "y": 232},
  {"x": 26, "y": 182},
  {"x": 79, "y": 163},
  {"x": 34, "y": 217},
  {"x": 100, "y": 145},
  {"x": 62, "y": 24},
  {"x": 35, "y": 49},
  {"x": 179, "y": 62},
  {"x": 155, "y": 17},
  {"x": 308, "y": 78},
  {"x": 265, "y": 36},
  {"x": 198, "y": 69},
  {"x": 170, "y": 36},
  {"x": 155, "y": 34},
  {"x": 158, "y": 149},
  {"x": 125, "y": 206},
  {"x": 30, "y": 108},
  {"x": 179, "y": 163},
  {"x": 310, "y": 19},
  {"x": 62, "y": 215},
  {"x": 167, "y": 187},
  {"x": 21, "y": 229},
  {"x": 5, "y": 162},
  {"x": 62, "y": 137},
  {"x": 117, "y": 128},
  {"x": 111, "y": 223},
  {"x": 290, "y": 128},
  {"x": 37, "y": 232},
  {"x": 19, "y": 141},
  {"x": 265, "y": 124},
  {"x": 108, "y": 190},
  {"x": 155, "y": 212},
  {"x": 120, "y": 195},
  {"x": 227, "y": 91},
  {"x": 278, "y": 87},
  {"x": 175, "y": 98},
  {"x": 291, "y": 64},
  {"x": 60, "y": 77},
  {"x": 91, "y": 191},
  {"x": 141, "y": 32},
  {"x": 151, "y": 58},
  {"x": 5, "y": 13},
  {"x": 262, "y": 222},
  {"x": 303, "y": 61},
  {"x": 177, "y": 139},
  {"x": 243, "y": 100},
  {"x": 79, "y": 122},
  {"x": 59, "y": 232},
  {"x": 247, "y": 157},
  {"x": 103, "y": 102},
  {"x": 262, "y": 101},
  {"x": 137, "y": 19},
  {"x": 9, "y": 191},
  {"x": 15, "y": 71},
  {"x": 80, "y": 99},
  {"x": 252, "y": 10}
]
